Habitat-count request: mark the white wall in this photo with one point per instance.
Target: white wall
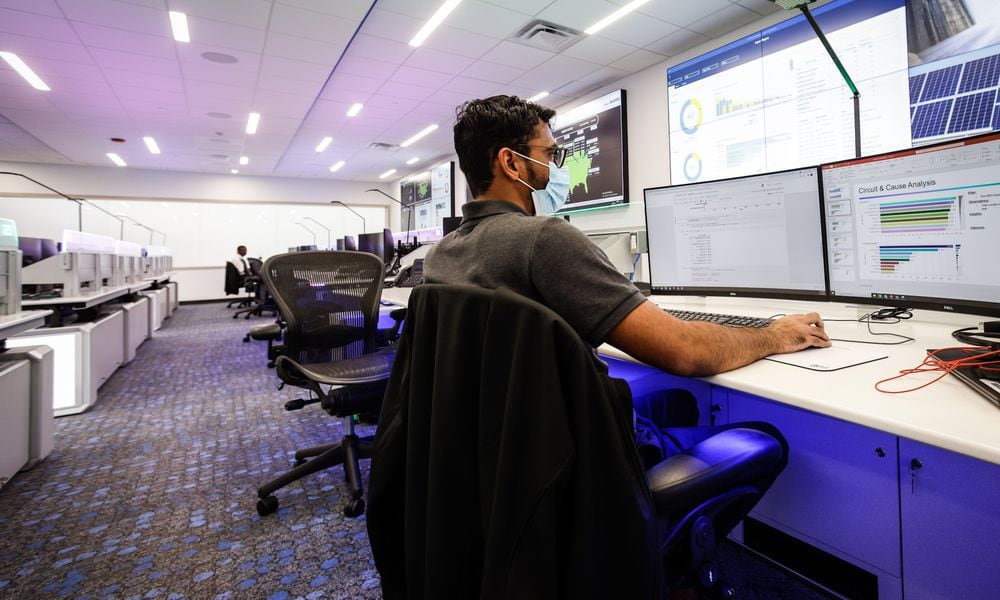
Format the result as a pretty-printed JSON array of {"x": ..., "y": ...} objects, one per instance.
[{"x": 204, "y": 216}]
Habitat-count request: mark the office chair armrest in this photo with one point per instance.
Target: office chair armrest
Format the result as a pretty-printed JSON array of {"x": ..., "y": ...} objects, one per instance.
[
  {"x": 731, "y": 458},
  {"x": 270, "y": 331}
]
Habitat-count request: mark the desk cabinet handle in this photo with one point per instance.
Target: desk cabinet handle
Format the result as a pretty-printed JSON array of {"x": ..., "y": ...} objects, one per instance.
[
  {"x": 915, "y": 466},
  {"x": 880, "y": 452}
]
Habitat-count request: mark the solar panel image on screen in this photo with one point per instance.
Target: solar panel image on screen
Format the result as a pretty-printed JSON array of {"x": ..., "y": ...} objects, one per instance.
[
  {"x": 941, "y": 83},
  {"x": 980, "y": 73},
  {"x": 971, "y": 112},
  {"x": 930, "y": 119},
  {"x": 916, "y": 84}
]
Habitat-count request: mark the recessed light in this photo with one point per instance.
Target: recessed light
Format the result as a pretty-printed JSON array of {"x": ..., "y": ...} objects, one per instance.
[
  {"x": 336, "y": 166},
  {"x": 219, "y": 115},
  {"x": 252, "y": 121},
  {"x": 608, "y": 20},
  {"x": 179, "y": 25},
  {"x": 323, "y": 144},
  {"x": 151, "y": 144},
  {"x": 538, "y": 96},
  {"x": 416, "y": 137},
  {"x": 220, "y": 57},
  {"x": 244, "y": 160},
  {"x": 413, "y": 160},
  {"x": 116, "y": 159},
  {"x": 387, "y": 173},
  {"x": 24, "y": 71},
  {"x": 234, "y": 171},
  {"x": 432, "y": 23},
  {"x": 355, "y": 109}
]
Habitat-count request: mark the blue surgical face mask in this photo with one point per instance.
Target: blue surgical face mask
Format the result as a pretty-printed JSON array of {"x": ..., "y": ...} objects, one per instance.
[{"x": 553, "y": 196}]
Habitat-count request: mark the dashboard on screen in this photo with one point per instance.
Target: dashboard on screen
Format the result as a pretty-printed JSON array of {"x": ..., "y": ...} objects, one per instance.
[
  {"x": 917, "y": 228},
  {"x": 760, "y": 235},
  {"x": 594, "y": 134},
  {"x": 774, "y": 100},
  {"x": 427, "y": 198}
]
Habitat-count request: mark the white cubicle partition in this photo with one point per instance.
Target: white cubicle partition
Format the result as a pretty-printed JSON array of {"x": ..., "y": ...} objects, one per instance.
[
  {"x": 174, "y": 290},
  {"x": 86, "y": 354},
  {"x": 40, "y": 427},
  {"x": 157, "y": 309},
  {"x": 15, "y": 417},
  {"x": 136, "y": 326}
]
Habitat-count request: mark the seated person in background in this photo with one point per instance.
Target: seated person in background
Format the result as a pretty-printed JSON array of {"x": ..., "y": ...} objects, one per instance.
[
  {"x": 516, "y": 176},
  {"x": 240, "y": 261}
]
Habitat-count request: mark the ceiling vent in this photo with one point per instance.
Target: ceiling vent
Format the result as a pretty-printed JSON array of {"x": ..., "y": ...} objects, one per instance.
[
  {"x": 382, "y": 146},
  {"x": 547, "y": 36}
]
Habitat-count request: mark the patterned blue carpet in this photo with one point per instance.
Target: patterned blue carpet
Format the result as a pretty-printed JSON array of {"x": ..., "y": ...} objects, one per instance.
[{"x": 152, "y": 493}]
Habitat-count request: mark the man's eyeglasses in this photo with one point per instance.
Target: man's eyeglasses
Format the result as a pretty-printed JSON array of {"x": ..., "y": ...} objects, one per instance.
[{"x": 556, "y": 153}]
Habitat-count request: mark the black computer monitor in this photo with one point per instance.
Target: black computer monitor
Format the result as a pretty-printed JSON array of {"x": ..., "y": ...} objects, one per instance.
[
  {"x": 760, "y": 235},
  {"x": 339, "y": 244},
  {"x": 449, "y": 224},
  {"x": 349, "y": 243},
  {"x": 918, "y": 227},
  {"x": 388, "y": 246},
  {"x": 372, "y": 244}
]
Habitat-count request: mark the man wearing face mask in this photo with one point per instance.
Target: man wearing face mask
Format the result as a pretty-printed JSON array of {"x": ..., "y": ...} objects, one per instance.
[{"x": 515, "y": 172}]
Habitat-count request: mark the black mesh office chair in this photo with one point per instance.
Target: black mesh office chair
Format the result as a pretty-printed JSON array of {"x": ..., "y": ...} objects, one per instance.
[
  {"x": 262, "y": 301},
  {"x": 505, "y": 466},
  {"x": 329, "y": 302},
  {"x": 236, "y": 280}
]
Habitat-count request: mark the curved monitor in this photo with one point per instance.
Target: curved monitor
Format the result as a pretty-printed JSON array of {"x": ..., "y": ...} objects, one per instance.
[
  {"x": 917, "y": 228},
  {"x": 372, "y": 243},
  {"x": 594, "y": 134},
  {"x": 349, "y": 243},
  {"x": 760, "y": 235}
]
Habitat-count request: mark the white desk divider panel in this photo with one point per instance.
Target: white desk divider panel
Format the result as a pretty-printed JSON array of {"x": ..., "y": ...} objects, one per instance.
[
  {"x": 135, "y": 325},
  {"x": 76, "y": 272},
  {"x": 174, "y": 290},
  {"x": 86, "y": 354},
  {"x": 126, "y": 269},
  {"x": 15, "y": 416},
  {"x": 157, "y": 309},
  {"x": 41, "y": 426},
  {"x": 10, "y": 269}
]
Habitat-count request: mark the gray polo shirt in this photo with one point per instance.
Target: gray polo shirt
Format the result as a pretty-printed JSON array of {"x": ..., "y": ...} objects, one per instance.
[{"x": 543, "y": 258}]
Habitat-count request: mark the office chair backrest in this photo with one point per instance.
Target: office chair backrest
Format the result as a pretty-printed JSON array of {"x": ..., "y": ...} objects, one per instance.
[
  {"x": 329, "y": 301},
  {"x": 255, "y": 265},
  {"x": 505, "y": 460}
]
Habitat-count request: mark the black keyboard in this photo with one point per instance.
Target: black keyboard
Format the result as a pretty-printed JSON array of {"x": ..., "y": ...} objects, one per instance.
[{"x": 728, "y": 320}]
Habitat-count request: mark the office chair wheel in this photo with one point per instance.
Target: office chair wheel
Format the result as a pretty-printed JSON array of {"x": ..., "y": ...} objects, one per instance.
[
  {"x": 354, "y": 508},
  {"x": 246, "y": 338},
  {"x": 300, "y": 461},
  {"x": 266, "y": 506}
]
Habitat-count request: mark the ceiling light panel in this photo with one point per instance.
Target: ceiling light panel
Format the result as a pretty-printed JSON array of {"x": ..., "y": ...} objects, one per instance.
[
  {"x": 436, "y": 19},
  {"x": 151, "y": 145},
  {"x": 24, "y": 71},
  {"x": 179, "y": 26},
  {"x": 323, "y": 144},
  {"x": 253, "y": 121},
  {"x": 116, "y": 159},
  {"x": 423, "y": 132}
]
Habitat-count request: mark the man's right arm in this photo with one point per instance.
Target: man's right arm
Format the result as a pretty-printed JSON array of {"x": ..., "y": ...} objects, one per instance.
[{"x": 693, "y": 348}]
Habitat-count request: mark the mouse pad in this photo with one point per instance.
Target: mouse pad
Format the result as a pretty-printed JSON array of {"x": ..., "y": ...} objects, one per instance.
[{"x": 833, "y": 358}]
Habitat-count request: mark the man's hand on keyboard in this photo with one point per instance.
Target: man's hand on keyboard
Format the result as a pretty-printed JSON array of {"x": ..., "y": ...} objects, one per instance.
[{"x": 798, "y": 332}]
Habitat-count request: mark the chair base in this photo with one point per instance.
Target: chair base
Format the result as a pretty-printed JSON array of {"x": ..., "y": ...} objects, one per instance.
[{"x": 347, "y": 452}]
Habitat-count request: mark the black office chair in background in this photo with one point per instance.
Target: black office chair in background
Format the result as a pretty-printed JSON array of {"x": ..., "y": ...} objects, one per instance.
[
  {"x": 262, "y": 301},
  {"x": 505, "y": 466},
  {"x": 329, "y": 302},
  {"x": 236, "y": 280}
]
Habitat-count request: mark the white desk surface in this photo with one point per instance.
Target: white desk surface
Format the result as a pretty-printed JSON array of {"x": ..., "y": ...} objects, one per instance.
[
  {"x": 11, "y": 325},
  {"x": 946, "y": 414},
  {"x": 87, "y": 301}
]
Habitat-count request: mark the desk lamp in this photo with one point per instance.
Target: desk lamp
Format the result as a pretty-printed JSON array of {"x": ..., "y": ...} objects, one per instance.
[{"x": 803, "y": 5}]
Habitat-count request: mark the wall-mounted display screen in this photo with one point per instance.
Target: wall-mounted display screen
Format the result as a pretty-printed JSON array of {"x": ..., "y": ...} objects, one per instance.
[
  {"x": 428, "y": 197},
  {"x": 775, "y": 100},
  {"x": 594, "y": 134}
]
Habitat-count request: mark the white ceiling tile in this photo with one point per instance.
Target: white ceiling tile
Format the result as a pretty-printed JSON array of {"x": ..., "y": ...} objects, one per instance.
[
  {"x": 215, "y": 73},
  {"x": 353, "y": 83},
  {"x": 33, "y": 102},
  {"x": 392, "y": 25},
  {"x": 275, "y": 104},
  {"x": 599, "y": 78},
  {"x": 41, "y": 7},
  {"x": 528, "y": 7},
  {"x": 405, "y": 90},
  {"x": 460, "y": 41},
  {"x": 724, "y": 21},
  {"x": 215, "y": 92},
  {"x": 598, "y": 50},
  {"x": 289, "y": 86},
  {"x": 488, "y": 71},
  {"x": 226, "y": 35},
  {"x": 139, "y": 79},
  {"x": 579, "y": 15},
  {"x": 517, "y": 55},
  {"x": 82, "y": 86},
  {"x": 192, "y": 54},
  {"x": 401, "y": 105},
  {"x": 677, "y": 42},
  {"x": 761, "y": 7},
  {"x": 421, "y": 77},
  {"x": 637, "y": 32},
  {"x": 359, "y": 65},
  {"x": 119, "y": 15},
  {"x": 555, "y": 73},
  {"x": 114, "y": 59},
  {"x": 380, "y": 49},
  {"x": 683, "y": 13},
  {"x": 486, "y": 19},
  {"x": 638, "y": 60},
  {"x": 449, "y": 97},
  {"x": 247, "y": 13},
  {"x": 97, "y": 36},
  {"x": 421, "y": 9},
  {"x": 52, "y": 70},
  {"x": 349, "y": 9},
  {"x": 305, "y": 50},
  {"x": 149, "y": 96},
  {"x": 35, "y": 25},
  {"x": 310, "y": 24},
  {"x": 441, "y": 62},
  {"x": 474, "y": 88},
  {"x": 29, "y": 48},
  {"x": 274, "y": 66}
]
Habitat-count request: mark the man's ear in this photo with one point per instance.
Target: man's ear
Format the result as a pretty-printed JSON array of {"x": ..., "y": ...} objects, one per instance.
[{"x": 506, "y": 165}]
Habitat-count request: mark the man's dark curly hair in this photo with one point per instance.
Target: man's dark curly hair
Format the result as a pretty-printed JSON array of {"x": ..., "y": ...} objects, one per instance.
[{"x": 484, "y": 126}]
